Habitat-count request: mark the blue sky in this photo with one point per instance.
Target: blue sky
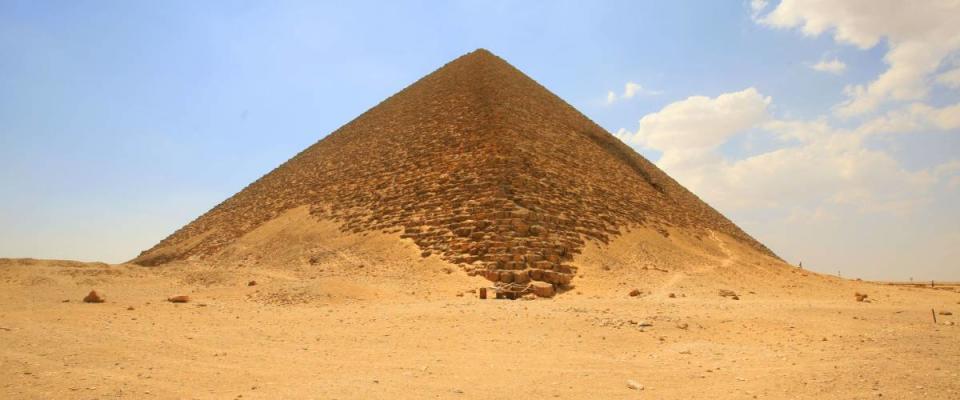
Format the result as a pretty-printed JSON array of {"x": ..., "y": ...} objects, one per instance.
[{"x": 122, "y": 121}]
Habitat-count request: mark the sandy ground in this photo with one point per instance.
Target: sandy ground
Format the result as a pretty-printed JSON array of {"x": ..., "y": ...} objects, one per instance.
[{"x": 404, "y": 327}]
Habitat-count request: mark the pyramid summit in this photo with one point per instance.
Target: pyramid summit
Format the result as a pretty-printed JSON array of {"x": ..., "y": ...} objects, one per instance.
[{"x": 475, "y": 163}]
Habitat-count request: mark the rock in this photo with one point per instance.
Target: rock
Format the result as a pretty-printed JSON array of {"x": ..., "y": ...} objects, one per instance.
[
  {"x": 179, "y": 299},
  {"x": 632, "y": 384},
  {"x": 860, "y": 296},
  {"x": 945, "y": 313},
  {"x": 93, "y": 297},
  {"x": 672, "y": 296},
  {"x": 425, "y": 253},
  {"x": 726, "y": 293},
  {"x": 252, "y": 283},
  {"x": 536, "y": 274},
  {"x": 635, "y": 292},
  {"x": 130, "y": 308},
  {"x": 543, "y": 289},
  {"x": 683, "y": 325},
  {"x": 521, "y": 277},
  {"x": 735, "y": 297}
]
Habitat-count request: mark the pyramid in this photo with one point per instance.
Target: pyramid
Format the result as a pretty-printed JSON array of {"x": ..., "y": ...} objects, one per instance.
[{"x": 476, "y": 163}]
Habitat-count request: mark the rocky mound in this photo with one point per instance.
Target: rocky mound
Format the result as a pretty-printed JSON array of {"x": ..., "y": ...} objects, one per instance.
[{"x": 476, "y": 163}]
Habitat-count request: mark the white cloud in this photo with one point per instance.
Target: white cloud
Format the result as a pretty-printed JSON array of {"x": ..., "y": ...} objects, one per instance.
[
  {"x": 630, "y": 90},
  {"x": 834, "y": 66},
  {"x": 699, "y": 122},
  {"x": 950, "y": 78},
  {"x": 814, "y": 169},
  {"x": 757, "y": 6},
  {"x": 920, "y": 35},
  {"x": 914, "y": 118}
]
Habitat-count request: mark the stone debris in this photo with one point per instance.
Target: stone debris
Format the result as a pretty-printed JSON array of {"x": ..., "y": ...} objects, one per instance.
[
  {"x": 179, "y": 299},
  {"x": 492, "y": 172},
  {"x": 861, "y": 297},
  {"x": 728, "y": 293},
  {"x": 543, "y": 289},
  {"x": 632, "y": 384},
  {"x": 252, "y": 283},
  {"x": 945, "y": 313},
  {"x": 93, "y": 297},
  {"x": 635, "y": 292}
]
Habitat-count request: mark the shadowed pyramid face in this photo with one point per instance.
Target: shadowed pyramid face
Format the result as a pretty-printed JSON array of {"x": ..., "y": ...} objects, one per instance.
[{"x": 476, "y": 163}]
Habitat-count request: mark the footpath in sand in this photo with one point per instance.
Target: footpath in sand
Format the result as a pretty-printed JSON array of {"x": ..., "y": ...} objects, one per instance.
[{"x": 348, "y": 325}]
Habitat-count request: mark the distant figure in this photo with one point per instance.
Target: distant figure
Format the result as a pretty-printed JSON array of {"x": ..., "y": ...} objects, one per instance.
[{"x": 800, "y": 265}]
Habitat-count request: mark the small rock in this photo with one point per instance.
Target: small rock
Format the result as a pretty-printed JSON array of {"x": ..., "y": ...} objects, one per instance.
[
  {"x": 179, "y": 299},
  {"x": 945, "y": 313},
  {"x": 726, "y": 293},
  {"x": 683, "y": 325},
  {"x": 632, "y": 384},
  {"x": 543, "y": 289},
  {"x": 635, "y": 292},
  {"x": 671, "y": 295},
  {"x": 93, "y": 297},
  {"x": 861, "y": 297},
  {"x": 426, "y": 254},
  {"x": 252, "y": 283},
  {"x": 130, "y": 308}
]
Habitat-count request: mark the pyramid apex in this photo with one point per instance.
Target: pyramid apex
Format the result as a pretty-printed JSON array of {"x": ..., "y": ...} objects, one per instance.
[{"x": 481, "y": 52}]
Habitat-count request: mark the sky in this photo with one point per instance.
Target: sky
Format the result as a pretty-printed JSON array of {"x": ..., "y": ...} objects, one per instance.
[{"x": 828, "y": 130}]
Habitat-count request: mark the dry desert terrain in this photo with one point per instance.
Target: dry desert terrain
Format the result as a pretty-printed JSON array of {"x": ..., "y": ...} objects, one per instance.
[{"x": 352, "y": 323}]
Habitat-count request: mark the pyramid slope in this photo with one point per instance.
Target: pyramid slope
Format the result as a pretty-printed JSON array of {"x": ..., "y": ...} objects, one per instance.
[{"x": 475, "y": 162}]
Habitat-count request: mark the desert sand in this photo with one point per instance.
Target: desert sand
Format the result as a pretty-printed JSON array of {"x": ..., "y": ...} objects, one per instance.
[
  {"x": 348, "y": 323},
  {"x": 355, "y": 271}
]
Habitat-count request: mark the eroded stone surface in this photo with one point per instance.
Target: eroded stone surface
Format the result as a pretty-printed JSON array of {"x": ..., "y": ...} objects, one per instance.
[{"x": 476, "y": 163}]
